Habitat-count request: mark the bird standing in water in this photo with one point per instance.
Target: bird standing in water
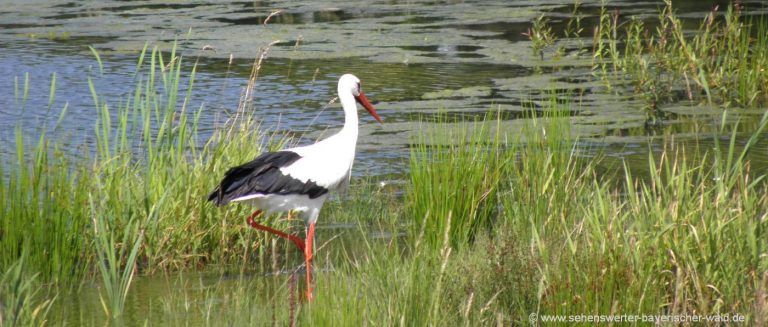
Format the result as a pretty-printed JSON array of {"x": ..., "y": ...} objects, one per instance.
[{"x": 299, "y": 179}]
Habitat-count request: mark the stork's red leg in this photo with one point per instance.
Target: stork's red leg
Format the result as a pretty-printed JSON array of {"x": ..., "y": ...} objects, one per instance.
[
  {"x": 296, "y": 240},
  {"x": 308, "y": 259}
]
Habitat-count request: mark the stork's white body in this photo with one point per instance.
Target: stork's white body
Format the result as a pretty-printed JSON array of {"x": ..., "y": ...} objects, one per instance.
[
  {"x": 327, "y": 163},
  {"x": 300, "y": 178}
]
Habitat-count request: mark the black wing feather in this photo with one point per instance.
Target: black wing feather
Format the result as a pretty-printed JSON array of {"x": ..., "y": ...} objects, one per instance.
[{"x": 263, "y": 176}]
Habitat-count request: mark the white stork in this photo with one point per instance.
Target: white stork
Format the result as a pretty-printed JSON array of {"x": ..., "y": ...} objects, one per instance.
[{"x": 299, "y": 179}]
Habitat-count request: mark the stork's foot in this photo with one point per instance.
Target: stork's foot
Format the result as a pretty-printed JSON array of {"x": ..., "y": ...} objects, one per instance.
[{"x": 304, "y": 247}]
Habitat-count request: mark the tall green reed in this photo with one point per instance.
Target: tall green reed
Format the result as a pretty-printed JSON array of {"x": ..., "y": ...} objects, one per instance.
[
  {"x": 155, "y": 171},
  {"x": 117, "y": 266},
  {"x": 136, "y": 202},
  {"x": 41, "y": 199},
  {"x": 687, "y": 238},
  {"x": 454, "y": 172}
]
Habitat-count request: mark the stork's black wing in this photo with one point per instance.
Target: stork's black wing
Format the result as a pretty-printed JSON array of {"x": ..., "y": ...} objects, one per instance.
[{"x": 263, "y": 176}]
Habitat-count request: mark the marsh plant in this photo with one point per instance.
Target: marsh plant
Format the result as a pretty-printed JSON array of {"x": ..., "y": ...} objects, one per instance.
[
  {"x": 462, "y": 181},
  {"x": 21, "y": 297},
  {"x": 540, "y": 35},
  {"x": 110, "y": 212},
  {"x": 689, "y": 237},
  {"x": 720, "y": 62}
]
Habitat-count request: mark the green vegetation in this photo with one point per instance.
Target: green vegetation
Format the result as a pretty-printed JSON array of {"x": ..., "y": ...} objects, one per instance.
[
  {"x": 453, "y": 187},
  {"x": 534, "y": 229},
  {"x": 690, "y": 237},
  {"x": 722, "y": 62},
  {"x": 491, "y": 226},
  {"x": 110, "y": 212},
  {"x": 21, "y": 298}
]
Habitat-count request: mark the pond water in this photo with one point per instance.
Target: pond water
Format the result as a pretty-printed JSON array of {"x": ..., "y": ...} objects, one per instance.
[
  {"x": 415, "y": 58},
  {"x": 221, "y": 296}
]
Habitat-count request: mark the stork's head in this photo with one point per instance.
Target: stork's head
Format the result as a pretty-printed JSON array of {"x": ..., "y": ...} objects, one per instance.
[{"x": 350, "y": 84}]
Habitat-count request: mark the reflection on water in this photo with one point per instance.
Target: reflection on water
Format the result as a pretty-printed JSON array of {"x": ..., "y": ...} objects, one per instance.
[{"x": 200, "y": 298}]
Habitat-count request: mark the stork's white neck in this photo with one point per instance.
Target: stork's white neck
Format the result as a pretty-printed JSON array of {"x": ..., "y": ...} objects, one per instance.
[{"x": 349, "y": 104}]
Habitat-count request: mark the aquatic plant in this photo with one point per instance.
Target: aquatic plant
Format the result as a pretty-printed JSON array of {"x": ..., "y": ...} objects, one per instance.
[
  {"x": 116, "y": 266},
  {"x": 540, "y": 35},
  {"x": 721, "y": 62},
  {"x": 109, "y": 212},
  {"x": 689, "y": 237},
  {"x": 454, "y": 172},
  {"x": 21, "y": 297}
]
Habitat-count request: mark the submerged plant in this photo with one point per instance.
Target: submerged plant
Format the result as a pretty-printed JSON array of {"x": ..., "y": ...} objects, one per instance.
[{"x": 540, "y": 35}]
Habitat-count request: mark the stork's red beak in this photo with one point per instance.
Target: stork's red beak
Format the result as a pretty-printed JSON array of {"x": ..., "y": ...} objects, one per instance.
[{"x": 367, "y": 104}]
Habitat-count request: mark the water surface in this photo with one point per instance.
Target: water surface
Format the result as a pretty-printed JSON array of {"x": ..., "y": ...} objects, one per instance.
[{"x": 414, "y": 57}]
